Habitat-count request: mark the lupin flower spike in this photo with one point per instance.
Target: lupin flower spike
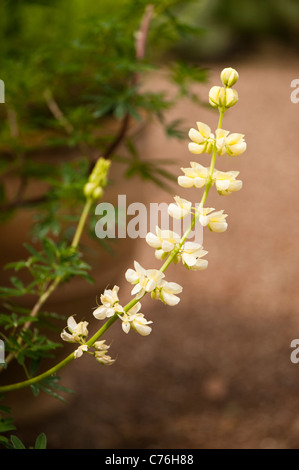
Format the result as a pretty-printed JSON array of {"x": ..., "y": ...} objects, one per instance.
[
  {"x": 169, "y": 245},
  {"x": 190, "y": 253}
]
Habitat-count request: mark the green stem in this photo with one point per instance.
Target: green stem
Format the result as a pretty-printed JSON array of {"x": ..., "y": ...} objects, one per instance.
[
  {"x": 81, "y": 223},
  {"x": 133, "y": 302}
]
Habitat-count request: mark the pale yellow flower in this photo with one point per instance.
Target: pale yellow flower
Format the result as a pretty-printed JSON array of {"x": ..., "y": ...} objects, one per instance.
[
  {"x": 164, "y": 242},
  {"x": 202, "y": 139},
  {"x": 226, "y": 182},
  {"x": 145, "y": 280},
  {"x": 77, "y": 331},
  {"x": 134, "y": 319},
  {"x": 215, "y": 221},
  {"x": 110, "y": 304},
  {"x": 191, "y": 256},
  {"x": 220, "y": 97},
  {"x": 235, "y": 144},
  {"x": 166, "y": 291},
  {"x": 196, "y": 176},
  {"x": 79, "y": 352},
  {"x": 100, "y": 353},
  {"x": 180, "y": 209}
]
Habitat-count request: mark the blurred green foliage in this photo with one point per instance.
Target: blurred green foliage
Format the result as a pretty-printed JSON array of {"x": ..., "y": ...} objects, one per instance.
[
  {"x": 240, "y": 26},
  {"x": 69, "y": 67}
]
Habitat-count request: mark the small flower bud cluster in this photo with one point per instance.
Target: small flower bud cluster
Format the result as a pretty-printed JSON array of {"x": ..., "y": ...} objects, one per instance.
[
  {"x": 93, "y": 189},
  {"x": 225, "y": 97}
]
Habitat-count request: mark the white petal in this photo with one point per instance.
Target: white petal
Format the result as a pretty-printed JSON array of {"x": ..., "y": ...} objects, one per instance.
[
  {"x": 78, "y": 353},
  {"x": 143, "y": 330},
  {"x": 204, "y": 129},
  {"x": 131, "y": 276},
  {"x": 67, "y": 337},
  {"x": 174, "y": 288},
  {"x": 200, "y": 265},
  {"x": 222, "y": 185},
  {"x": 218, "y": 226},
  {"x": 139, "y": 269},
  {"x": 126, "y": 326},
  {"x": 136, "y": 289},
  {"x": 153, "y": 240},
  {"x": 196, "y": 148},
  {"x": 135, "y": 309},
  {"x": 167, "y": 246},
  {"x": 188, "y": 259},
  {"x": 196, "y": 136},
  {"x": 100, "y": 313},
  {"x": 185, "y": 181},
  {"x": 170, "y": 299},
  {"x": 72, "y": 324}
]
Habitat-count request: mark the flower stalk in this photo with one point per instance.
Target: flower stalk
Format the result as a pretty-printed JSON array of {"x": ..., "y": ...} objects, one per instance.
[{"x": 151, "y": 280}]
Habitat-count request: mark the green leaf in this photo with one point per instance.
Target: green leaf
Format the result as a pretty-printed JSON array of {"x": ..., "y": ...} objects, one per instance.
[
  {"x": 17, "y": 443},
  {"x": 50, "y": 249},
  {"x": 6, "y": 424},
  {"x": 41, "y": 442}
]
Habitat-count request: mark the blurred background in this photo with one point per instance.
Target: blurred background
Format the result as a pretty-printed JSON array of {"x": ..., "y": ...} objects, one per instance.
[{"x": 216, "y": 370}]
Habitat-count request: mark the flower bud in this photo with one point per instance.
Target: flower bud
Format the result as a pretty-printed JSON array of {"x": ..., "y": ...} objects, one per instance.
[
  {"x": 97, "y": 180},
  {"x": 229, "y": 77},
  {"x": 89, "y": 189},
  {"x": 97, "y": 193},
  {"x": 220, "y": 97}
]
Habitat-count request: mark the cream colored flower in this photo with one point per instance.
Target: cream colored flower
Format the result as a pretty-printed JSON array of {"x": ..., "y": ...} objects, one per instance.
[
  {"x": 196, "y": 176},
  {"x": 77, "y": 331},
  {"x": 180, "y": 209},
  {"x": 80, "y": 350},
  {"x": 215, "y": 220},
  {"x": 220, "y": 97},
  {"x": 101, "y": 345},
  {"x": 221, "y": 135},
  {"x": 135, "y": 320},
  {"x": 101, "y": 349},
  {"x": 202, "y": 139},
  {"x": 110, "y": 304},
  {"x": 226, "y": 182},
  {"x": 164, "y": 242},
  {"x": 103, "y": 359},
  {"x": 166, "y": 291},
  {"x": 191, "y": 256},
  {"x": 145, "y": 280},
  {"x": 235, "y": 144},
  {"x": 229, "y": 76}
]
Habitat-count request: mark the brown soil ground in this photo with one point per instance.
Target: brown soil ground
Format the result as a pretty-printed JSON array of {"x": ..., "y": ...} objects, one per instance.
[{"x": 216, "y": 370}]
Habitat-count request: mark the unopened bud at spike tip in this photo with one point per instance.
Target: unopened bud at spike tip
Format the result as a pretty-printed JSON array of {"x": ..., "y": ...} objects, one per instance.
[{"x": 229, "y": 77}]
